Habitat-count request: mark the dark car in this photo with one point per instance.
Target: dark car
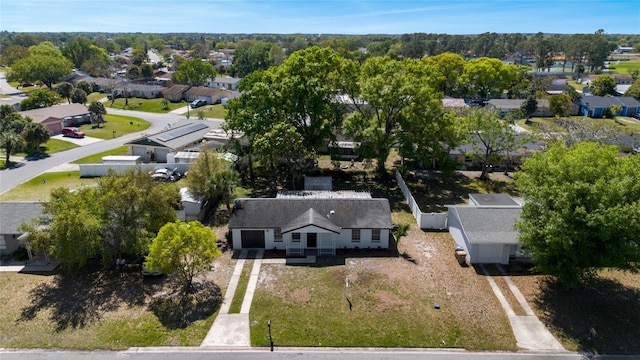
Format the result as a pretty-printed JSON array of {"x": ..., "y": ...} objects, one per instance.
[{"x": 72, "y": 132}]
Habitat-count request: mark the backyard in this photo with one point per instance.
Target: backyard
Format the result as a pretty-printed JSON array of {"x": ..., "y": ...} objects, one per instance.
[{"x": 147, "y": 105}]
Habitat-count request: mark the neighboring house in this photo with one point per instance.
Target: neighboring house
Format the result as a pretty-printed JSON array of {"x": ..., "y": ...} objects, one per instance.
[
  {"x": 191, "y": 206},
  {"x": 507, "y": 105},
  {"x": 182, "y": 135},
  {"x": 557, "y": 87},
  {"x": 58, "y": 116},
  {"x": 210, "y": 95},
  {"x": 485, "y": 228},
  {"x": 176, "y": 93},
  {"x": 144, "y": 91},
  {"x": 304, "y": 225},
  {"x": 229, "y": 83},
  {"x": 511, "y": 159},
  {"x": 12, "y": 214},
  {"x": 595, "y": 106}
]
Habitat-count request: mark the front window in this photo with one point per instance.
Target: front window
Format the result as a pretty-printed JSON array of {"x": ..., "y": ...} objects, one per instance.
[
  {"x": 295, "y": 237},
  {"x": 375, "y": 235},
  {"x": 355, "y": 235},
  {"x": 277, "y": 235}
]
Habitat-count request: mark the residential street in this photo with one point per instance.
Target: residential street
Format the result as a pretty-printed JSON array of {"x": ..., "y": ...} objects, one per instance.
[
  {"x": 31, "y": 168},
  {"x": 291, "y": 353}
]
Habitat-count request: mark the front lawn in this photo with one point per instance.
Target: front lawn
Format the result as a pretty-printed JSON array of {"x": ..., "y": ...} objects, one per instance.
[
  {"x": 209, "y": 111},
  {"x": 115, "y": 126},
  {"x": 95, "y": 96},
  {"x": 39, "y": 188},
  {"x": 97, "y": 158},
  {"x": 624, "y": 67},
  {"x": 147, "y": 105}
]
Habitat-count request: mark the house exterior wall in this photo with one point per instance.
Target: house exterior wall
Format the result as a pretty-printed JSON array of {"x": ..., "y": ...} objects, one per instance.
[
  {"x": 10, "y": 242},
  {"x": 342, "y": 240}
]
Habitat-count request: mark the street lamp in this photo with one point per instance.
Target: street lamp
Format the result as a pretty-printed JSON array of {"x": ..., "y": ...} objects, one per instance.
[{"x": 270, "y": 338}]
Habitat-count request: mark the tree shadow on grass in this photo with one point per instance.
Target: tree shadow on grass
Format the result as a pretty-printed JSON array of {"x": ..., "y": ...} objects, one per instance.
[
  {"x": 77, "y": 300},
  {"x": 601, "y": 317},
  {"x": 179, "y": 310}
]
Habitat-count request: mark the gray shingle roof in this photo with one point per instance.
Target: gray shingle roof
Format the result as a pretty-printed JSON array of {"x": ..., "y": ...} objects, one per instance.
[
  {"x": 596, "y": 102},
  {"x": 12, "y": 214},
  {"x": 311, "y": 218},
  {"x": 488, "y": 225},
  {"x": 57, "y": 111},
  {"x": 278, "y": 213}
]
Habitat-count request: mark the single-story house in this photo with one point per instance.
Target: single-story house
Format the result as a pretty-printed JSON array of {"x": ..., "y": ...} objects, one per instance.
[
  {"x": 455, "y": 104},
  {"x": 304, "y": 225},
  {"x": 595, "y": 106},
  {"x": 485, "y": 228},
  {"x": 182, "y": 135},
  {"x": 145, "y": 91},
  {"x": 209, "y": 95},
  {"x": 507, "y": 105},
  {"x": 58, "y": 116},
  {"x": 176, "y": 93},
  {"x": 229, "y": 83},
  {"x": 511, "y": 159},
  {"x": 12, "y": 214}
]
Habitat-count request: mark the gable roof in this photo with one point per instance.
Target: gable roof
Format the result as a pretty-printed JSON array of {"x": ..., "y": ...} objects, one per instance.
[
  {"x": 176, "y": 90},
  {"x": 310, "y": 218},
  {"x": 484, "y": 225},
  {"x": 227, "y": 80},
  {"x": 179, "y": 135},
  {"x": 12, "y": 214},
  {"x": 596, "y": 102},
  {"x": 509, "y": 104},
  {"x": 201, "y": 91},
  {"x": 57, "y": 111},
  {"x": 285, "y": 213}
]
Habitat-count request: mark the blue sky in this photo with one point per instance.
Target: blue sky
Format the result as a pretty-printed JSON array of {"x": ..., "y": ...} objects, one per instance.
[{"x": 322, "y": 17}]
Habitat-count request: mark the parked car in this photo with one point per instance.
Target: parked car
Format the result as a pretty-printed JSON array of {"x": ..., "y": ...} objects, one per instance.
[
  {"x": 72, "y": 132},
  {"x": 198, "y": 103},
  {"x": 166, "y": 174},
  {"x": 113, "y": 96}
]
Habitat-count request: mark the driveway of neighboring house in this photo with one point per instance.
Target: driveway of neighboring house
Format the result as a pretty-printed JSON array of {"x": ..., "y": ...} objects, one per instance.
[{"x": 81, "y": 142}]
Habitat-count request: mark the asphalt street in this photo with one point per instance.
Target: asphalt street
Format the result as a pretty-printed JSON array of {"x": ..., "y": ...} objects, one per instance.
[
  {"x": 293, "y": 353},
  {"x": 31, "y": 168}
]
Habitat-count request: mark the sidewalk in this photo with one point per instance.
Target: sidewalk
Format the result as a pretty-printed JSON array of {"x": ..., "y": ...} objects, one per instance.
[
  {"x": 232, "y": 330},
  {"x": 180, "y": 111},
  {"x": 530, "y": 332}
]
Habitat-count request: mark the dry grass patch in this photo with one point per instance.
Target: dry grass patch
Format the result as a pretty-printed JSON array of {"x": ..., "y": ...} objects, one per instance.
[
  {"x": 392, "y": 297},
  {"x": 609, "y": 305}
]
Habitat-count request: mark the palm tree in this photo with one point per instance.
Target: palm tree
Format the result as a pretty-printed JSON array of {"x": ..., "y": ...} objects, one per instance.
[
  {"x": 10, "y": 141},
  {"x": 222, "y": 185},
  {"x": 65, "y": 90},
  {"x": 97, "y": 111}
]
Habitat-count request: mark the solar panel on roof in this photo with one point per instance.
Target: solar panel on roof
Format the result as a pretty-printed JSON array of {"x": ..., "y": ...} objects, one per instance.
[{"x": 182, "y": 131}]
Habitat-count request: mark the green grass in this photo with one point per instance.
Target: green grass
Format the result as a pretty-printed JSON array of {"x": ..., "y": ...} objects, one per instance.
[
  {"x": 39, "y": 188},
  {"x": 622, "y": 123},
  {"x": 28, "y": 89},
  {"x": 95, "y": 96},
  {"x": 243, "y": 281},
  {"x": 97, "y": 158},
  {"x": 120, "y": 124},
  {"x": 624, "y": 67},
  {"x": 147, "y": 105},
  {"x": 55, "y": 145},
  {"x": 209, "y": 111}
]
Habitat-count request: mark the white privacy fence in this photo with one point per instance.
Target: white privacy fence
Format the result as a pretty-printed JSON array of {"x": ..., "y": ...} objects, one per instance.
[{"x": 425, "y": 220}]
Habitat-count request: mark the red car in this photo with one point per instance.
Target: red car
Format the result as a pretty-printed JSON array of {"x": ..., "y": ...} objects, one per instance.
[{"x": 72, "y": 132}]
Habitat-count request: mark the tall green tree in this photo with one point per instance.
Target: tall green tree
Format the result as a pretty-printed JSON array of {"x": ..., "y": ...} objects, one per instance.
[
  {"x": 187, "y": 249},
  {"x": 634, "y": 89},
  {"x": 449, "y": 67},
  {"x": 194, "y": 72},
  {"x": 529, "y": 106},
  {"x": 395, "y": 102},
  {"x": 560, "y": 104},
  {"x": 205, "y": 183},
  {"x": 98, "y": 111},
  {"x": 78, "y": 96},
  {"x": 65, "y": 89},
  {"x": 489, "y": 135},
  {"x": 40, "y": 98},
  {"x": 250, "y": 56},
  {"x": 485, "y": 78},
  {"x": 35, "y": 134},
  {"x": 603, "y": 85},
  {"x": 581, "y": 211},
  {"x": 118, "y": 218},
  {"x": 45, "y": 63}
]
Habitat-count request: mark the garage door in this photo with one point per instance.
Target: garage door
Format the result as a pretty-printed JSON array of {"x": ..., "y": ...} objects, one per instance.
[{"x": 252, "y": 239}]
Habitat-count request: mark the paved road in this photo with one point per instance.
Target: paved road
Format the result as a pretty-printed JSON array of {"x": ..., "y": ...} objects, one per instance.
[
  {"x": 290, "y": 353},
  {"x": 11, "y": 178}
]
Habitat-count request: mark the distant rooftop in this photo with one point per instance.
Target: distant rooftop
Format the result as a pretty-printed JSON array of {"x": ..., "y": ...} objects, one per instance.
[{"x": 323, "y": 194}]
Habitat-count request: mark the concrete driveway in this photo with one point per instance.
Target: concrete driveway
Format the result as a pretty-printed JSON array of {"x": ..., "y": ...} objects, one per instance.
[{"x": 81, "y": 142}]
